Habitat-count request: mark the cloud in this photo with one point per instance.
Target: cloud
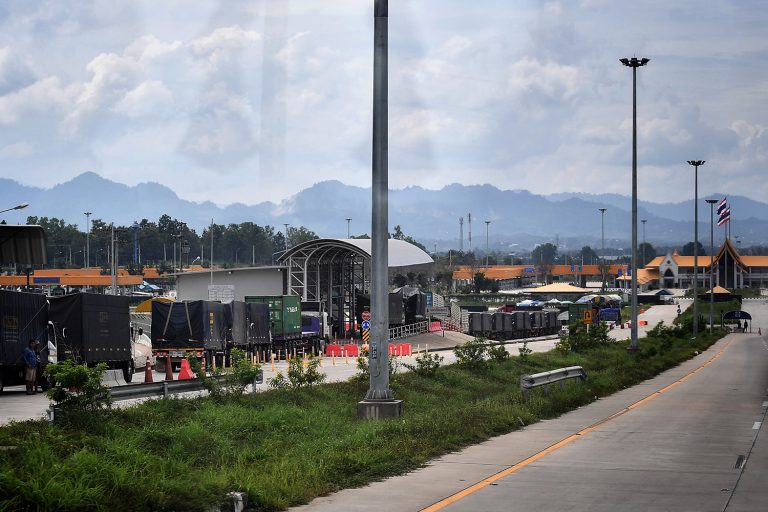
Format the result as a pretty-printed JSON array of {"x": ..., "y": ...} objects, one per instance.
[
  {"x": 16, "y": 150},
  {"x": 223, "y": 44},
  {"x": 150, "y": 98},
  {"x": 14, "y": 72}
]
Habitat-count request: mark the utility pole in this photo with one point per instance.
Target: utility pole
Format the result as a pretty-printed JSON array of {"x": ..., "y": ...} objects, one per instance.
[
  {"x": 349, "y": 220},
  {"x": 211, "y": 262},
  {"x": 487, "y": 224},
  {"x": 602, "y": 250},
  {"x": 379, "y": 402},
  {"x": 696, "y": 164},
  {"x": 469, "y": 222},
  {"x": 88, "y": 239},
  {"x": 113, "y": 261},
  {"x": 286, "y": 235},
  {"x": 634, "y": 63},
  {"x": 644, "y": 260},
  {"x": 461, "y": 234}
]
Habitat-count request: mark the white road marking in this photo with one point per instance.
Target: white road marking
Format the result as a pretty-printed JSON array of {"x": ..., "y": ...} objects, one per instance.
[{"x": 757, "y": 425}]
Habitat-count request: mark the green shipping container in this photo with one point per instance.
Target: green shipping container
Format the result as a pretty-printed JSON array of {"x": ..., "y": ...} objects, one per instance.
[{"x": 284, "y": 314}]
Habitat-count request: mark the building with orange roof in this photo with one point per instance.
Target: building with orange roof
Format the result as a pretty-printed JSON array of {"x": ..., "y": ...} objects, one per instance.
[
  {"x": 84, "y": 277},
  {"x": 510, "y": 277},
  {"x": 731, "y": 270}
]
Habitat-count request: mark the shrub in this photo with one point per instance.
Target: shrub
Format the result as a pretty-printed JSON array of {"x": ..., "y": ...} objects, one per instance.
[
  {"x": 472, "y": 353},
  {"x": 426, "y": 364},
  {"x": 524, "y": 351},
  {"x": 298, "y": 376},
  {"x": 240, "y": 375},
  {"x": 363, "y": 372},
  {"x": 498, "y": 353},
  {"x": 596, "y": 336},
  {"x": 77, "y": 389}
]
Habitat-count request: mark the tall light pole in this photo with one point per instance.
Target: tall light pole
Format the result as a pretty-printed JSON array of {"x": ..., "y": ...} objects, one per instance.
[
  {"x": 487, "y": 250},
  {"x": 634, "y": 63},
  {"x": 602, "y": 249},
  {"x": 349, "y": 219},
  {"x": 286, "y": 235},
  {"x": 88, "y": 239},
  {"x": 644, "y": 221},
  {"x": 379, "y": 402},
  {"x": 711, "y": 203},
  {"x": 696, "y": 164}
]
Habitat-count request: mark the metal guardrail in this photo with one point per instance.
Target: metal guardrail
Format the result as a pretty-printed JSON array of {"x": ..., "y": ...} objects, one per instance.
[
  {"x": 403, "y": 331},
  {"x": 528, "y": 382},
  {"x": 165, "y": 388}
]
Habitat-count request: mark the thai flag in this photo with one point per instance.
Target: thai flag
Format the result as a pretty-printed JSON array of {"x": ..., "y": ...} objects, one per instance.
[
  {"x": 725, "y": 216},
  {"x": 722, "y": 205}
]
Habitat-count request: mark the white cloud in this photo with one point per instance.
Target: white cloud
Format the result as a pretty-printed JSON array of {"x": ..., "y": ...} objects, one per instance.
[
  {"x": 150, "y": 98},
  {"x": 16, "y": 150},
  {"x": 223, "y": 43}
]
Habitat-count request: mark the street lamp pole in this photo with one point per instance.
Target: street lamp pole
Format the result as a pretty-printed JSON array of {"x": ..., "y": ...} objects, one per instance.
[
  {"x": 644, "y": 221},
  {"x": 602, "y": 249},
  {"x": 696, "y": 164},
  {"x": 349, "y": 219},
  {"x": 634, "y": 63},
  {"x": 487, "y": 223},
  {"x": 17, "y": 207},
  {"x": 711, "y": 203},
  {"x": 88, "y": 239},
  {"x": 286, "y": 235},
  {"x": 379, "y": 402}
]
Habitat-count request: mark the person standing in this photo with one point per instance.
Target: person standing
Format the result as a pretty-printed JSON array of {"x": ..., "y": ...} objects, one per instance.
[{"x": 30, "y": 363}]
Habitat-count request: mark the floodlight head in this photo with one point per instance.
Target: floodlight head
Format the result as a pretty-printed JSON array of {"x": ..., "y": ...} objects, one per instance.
[
  {"x": 602, "y": 210},
  {"x": 696, "y": 163},
  {"x": 711, "y": 201},
  {"x": 624, "y": 61},
  {"x": 634, "y": 62}
]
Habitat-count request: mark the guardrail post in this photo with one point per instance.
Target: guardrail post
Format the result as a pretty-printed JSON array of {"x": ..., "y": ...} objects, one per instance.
[{"x": 165, "y": 389}]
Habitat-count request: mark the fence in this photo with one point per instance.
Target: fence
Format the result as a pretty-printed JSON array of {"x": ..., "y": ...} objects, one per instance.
[
  {"x": 528, "y": 382},
  {"x": 403, "y": 331}
]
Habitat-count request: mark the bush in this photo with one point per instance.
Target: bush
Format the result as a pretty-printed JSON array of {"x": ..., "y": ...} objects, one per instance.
[
  {"x": 472, "y": 353},
  {"x": 498, "y": 353},
  {"x": 524, "y": 351},
  {"x": 236, "y": 380},
  {"x": 426, "y": 364},
  {"x": 581, "y": 340},
  {"x": 363, "y": 372},
  {"x": 77, "y": 389},
  {"x": 298, "y": 376}
]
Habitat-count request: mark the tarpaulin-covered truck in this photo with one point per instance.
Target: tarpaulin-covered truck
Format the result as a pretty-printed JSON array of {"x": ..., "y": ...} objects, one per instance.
[
  {"x": 23, "y": 317},
  {"x": 250, "y": 327},
  {"x": 91, "y": 328},
  {"x": 292, "y": 329},
  {"x": 200, "y": 327}
]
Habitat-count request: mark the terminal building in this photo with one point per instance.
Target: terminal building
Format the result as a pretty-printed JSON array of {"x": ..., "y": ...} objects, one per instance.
[
  {"x": 511, "y": 277},
  {"x": 732, "y": 270}
]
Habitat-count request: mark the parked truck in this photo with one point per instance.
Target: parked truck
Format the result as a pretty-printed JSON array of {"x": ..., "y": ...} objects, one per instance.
[
  {"x": 291, "y": 329},
  {"x": 199, "y": 327},
  {"x": 23, "y": 317},
  {"x": 91, "y": 328}
]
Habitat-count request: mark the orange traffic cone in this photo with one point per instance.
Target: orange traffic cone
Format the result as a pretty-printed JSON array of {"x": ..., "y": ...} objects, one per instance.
[
  {"x": 186, "y": 372},
  {"x": 148, "y": 371},
  {"x": 168, "y": 369}
]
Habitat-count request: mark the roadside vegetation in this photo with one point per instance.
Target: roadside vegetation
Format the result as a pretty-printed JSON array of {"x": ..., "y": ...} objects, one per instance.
[{"x": 288, "y": 445}]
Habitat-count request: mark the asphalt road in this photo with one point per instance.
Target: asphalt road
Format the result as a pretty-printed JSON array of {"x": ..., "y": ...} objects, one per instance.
[{"x": 697, "y": 443}]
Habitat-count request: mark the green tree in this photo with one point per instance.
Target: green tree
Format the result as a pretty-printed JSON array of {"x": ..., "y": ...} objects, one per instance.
[{"x": 687, "y": 249}]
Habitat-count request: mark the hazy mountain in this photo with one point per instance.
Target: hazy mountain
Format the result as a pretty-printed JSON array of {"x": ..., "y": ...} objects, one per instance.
[{"x": 432, "y": 216}]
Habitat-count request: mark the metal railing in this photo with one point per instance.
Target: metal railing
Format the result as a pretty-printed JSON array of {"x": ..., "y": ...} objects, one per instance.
[
  {"x": 404, "y": 331},
  {"x": 165, "y": 388},
  {"x": 528, "y": 382}
]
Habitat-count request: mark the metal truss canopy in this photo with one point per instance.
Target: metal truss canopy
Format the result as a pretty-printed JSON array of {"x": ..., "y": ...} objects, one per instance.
[{"x": 333, "y": 270}]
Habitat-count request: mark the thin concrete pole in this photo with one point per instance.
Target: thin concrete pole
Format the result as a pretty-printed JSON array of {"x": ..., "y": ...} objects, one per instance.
[
  {"x": 696, "y": 164},
  {"x": 634, "y": 345},
  {"x": 711, "y": 260},
  {"x": 378, "y": 355}
]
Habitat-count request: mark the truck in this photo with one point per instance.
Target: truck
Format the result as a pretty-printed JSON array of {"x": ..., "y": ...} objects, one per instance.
[
  {"x": 250, "y": 327},
  {"x": 90, "y": 328},
  {"x": 23, "y": 317},
  {"x": 198, "y": 327},
  {"x": 289, "y": 328}
]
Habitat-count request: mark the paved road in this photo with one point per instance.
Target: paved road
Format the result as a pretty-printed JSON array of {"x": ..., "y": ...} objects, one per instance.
[{"x": 679, "y": 450}]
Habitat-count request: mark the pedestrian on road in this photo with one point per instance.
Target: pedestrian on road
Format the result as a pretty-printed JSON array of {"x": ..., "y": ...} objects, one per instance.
[
  {"x": 30, "y": 362},
  {"x": 745, "y": 326},
  {"x": 740, "y": 325}
]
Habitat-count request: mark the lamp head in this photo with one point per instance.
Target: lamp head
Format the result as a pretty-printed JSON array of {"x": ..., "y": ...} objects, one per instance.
[{"x": 696, "y": 163}]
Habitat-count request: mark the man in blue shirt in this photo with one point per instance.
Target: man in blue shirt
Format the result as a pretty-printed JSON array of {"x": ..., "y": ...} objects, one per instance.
[{"x": 30, "y": 362}]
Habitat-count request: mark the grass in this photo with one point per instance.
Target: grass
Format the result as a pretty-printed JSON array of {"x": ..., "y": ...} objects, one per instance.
[{"x": 285, "y": 447}]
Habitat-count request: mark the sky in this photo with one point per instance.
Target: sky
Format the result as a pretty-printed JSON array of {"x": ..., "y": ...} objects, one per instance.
[{"x": 237, "y": 101}]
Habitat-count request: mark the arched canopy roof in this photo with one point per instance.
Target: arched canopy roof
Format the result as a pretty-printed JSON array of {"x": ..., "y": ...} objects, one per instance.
[{"x": 401, "y": 253}]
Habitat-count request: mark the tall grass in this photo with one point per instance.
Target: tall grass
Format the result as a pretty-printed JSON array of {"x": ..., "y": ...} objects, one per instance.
[{"x": 285, "y": 447}]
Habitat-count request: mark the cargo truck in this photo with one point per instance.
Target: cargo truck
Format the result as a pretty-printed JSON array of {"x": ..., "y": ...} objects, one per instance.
[
  {"x": 91, "y": 328},
  {"x": 199, "y": 327},
  {"x": 291, "y": 330},
  {"x": 23, "y": 317}
]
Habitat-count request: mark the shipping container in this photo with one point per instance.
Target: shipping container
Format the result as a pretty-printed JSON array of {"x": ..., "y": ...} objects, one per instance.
[{"x": 284, "y": 315}]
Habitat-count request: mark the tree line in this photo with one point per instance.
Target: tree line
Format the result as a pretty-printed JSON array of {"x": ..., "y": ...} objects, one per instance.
[{"x": 169, "y": 240}]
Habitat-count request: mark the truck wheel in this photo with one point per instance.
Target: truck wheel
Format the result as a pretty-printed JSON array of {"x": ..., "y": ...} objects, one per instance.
[
  {"x": 128, "y": 370},
  {"x": 160, "y": 365}
]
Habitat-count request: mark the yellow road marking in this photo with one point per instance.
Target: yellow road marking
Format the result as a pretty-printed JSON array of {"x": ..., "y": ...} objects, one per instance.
[{"x": 546, "y": 451}]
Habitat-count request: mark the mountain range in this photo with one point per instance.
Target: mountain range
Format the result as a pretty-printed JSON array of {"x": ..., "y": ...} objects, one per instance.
[{"x": 518, "y": 218}]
